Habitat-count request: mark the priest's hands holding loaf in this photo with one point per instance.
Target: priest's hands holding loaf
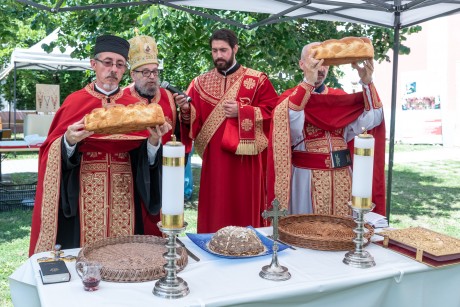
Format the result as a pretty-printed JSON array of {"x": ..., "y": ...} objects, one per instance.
[
  {"x": 157, "y": 132},
  {"x": 75, "y": 132},
  {"x": 365, "y": 72}
]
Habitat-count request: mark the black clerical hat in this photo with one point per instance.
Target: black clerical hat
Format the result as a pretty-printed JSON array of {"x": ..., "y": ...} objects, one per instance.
[{"x": 112, "y": 43}]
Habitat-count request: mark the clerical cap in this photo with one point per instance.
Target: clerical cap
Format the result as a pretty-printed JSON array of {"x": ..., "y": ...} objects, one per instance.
[
  {"x": 112, "y": 43},
  {"x": 143, "y": 50}
]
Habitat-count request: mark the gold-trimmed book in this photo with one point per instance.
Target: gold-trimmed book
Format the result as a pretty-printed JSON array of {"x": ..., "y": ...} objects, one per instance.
[
  {"x": 424, "y": 245},
  {"x": 53, "y": 272}
]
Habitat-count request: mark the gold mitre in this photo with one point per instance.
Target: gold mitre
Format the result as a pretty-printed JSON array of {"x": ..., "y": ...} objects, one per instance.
[{"x": 142, "y": 50}]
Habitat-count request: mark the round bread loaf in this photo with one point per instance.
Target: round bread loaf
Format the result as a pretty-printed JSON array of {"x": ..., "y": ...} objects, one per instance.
[
  {"x": 344, "y": 51},
  {"x": 124, "y": 119},
  {"x": 236, "y": 241}
]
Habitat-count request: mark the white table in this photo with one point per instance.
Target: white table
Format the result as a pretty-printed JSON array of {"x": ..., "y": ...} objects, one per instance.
[{"x": 318, "y": 279}]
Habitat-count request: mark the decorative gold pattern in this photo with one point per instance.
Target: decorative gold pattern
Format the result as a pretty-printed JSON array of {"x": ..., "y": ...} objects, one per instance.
[
  {"x": 331, "y": 192},
  {"x": 282, "y": 153},
  {"x": 212, "y": 85},
  {"x": 249, "y": 83},
  {"x": 207, "y": 83},
  {"x": 50, "y": 199},
  {"x": 106, "y": 100},
  {"x": 106, "y": 197},
  {"x": 261, "y": 139},
  {"x": 376, "y": 102},
  {"x": 308, "y": 90},
  {"x": 247, "y": 124},
  {"x": 432, "y": 242}
]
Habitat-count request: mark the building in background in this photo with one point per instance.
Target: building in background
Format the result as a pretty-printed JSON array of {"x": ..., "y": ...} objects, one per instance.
[{"x": 428, "y": 94}]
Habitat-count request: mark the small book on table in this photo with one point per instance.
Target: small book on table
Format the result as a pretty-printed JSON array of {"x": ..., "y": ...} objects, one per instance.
[{"x": 53, "y": 272}]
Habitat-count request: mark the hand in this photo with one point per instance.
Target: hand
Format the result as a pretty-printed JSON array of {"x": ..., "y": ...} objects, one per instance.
[
  {"x": 231, "y": 109},
  {"x": 365, "y": 72},
  {"x": 76, "y": 132},
  {"x": 181, "y": 101},
  {"x": 157, "y": 132},
  {"x": 310, "y": 67}
]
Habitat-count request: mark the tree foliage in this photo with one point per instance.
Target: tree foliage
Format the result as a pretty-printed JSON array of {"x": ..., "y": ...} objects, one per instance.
[{"x": 183, "y": 39}]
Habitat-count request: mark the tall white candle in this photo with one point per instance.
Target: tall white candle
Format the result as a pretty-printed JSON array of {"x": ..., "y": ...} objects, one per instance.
[
  {"x": 173, "y": 184},
  {"x": 363, "y": 170}
]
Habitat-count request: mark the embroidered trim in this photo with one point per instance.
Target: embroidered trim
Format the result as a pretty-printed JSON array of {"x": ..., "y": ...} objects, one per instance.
[
  {"x": 331, "y": 191},
  {"x": 217, "y": 116},
  {"x": 50, "y": 199},
  {"x": 90, "y": 89},
  {"x": 282, "y": 153}
]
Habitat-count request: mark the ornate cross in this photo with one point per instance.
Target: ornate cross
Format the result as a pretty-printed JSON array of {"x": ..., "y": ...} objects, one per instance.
[{"x": 275, "y": 214}]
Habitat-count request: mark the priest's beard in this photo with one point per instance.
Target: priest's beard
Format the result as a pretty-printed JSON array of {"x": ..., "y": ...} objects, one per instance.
[
  {"x": 112, "y": 82},
  {"x": 224, "y": 65},
  {"x": 148, "y": 88}
]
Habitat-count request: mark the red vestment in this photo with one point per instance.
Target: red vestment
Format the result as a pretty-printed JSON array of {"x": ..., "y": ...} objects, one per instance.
[
  {"x": 232, "y": 186},
  {"x": 98, "y": 191},
  {"x": 325, "y": 118}
]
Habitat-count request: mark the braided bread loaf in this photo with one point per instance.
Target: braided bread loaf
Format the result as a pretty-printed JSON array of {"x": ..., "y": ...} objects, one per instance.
[
  {"x": 124, "y": 119},
  {"x": 344, "y": 51}
]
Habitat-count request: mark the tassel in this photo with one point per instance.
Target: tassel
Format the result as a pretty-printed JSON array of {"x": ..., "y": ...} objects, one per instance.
[{"x": 247, "y": 147}]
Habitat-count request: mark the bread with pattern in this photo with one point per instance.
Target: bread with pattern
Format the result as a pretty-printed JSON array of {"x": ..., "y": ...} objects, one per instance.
[
  {"x": 124, "y": 119},
  {"x": 236, "y": 241},
  {"x": 344, "y": 51}
]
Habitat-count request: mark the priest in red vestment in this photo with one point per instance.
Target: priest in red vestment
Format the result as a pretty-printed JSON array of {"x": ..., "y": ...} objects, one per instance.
[
  {"x": 93, "y": 186},
  {"x": 144, "y": 71},
  {"x": 311, "y": 142},
  {"x": 228, "y": 119}
]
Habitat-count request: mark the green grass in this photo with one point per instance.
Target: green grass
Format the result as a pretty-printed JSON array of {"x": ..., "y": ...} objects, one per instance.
[
  {"x": 14, "y": 242},
  {"x": 427, "y": 194},
  {"x": 424, "y": 194}
]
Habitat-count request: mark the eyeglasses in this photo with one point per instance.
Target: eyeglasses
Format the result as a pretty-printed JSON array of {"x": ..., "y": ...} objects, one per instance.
[
  {"x": 147, "y": 73},
  {"x": 110, "y": 63}
]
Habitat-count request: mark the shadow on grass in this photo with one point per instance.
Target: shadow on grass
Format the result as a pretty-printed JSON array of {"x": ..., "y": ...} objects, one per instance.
[
  {"x": 14, "y": 225},
  {"x": 427, "y": 193}
]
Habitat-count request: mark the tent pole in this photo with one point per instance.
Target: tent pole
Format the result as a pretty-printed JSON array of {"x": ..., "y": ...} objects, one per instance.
[
  {"x": 394, "y": 90},
  {"x": 14, "y": 102}
]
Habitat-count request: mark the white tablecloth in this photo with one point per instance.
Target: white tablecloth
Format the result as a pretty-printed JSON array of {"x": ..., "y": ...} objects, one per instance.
[{"x": 318, "y": 279}]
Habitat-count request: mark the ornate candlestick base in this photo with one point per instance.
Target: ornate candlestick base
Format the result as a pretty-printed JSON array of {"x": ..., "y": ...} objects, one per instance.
[
  {"x": 275, "y": 271},
  {"x": 171, "y": 286},
  {"x": 359, "y": 258}
]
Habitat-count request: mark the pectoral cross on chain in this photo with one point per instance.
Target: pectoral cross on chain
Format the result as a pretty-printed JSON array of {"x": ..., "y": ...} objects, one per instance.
[{"x": 275, "y": 214}]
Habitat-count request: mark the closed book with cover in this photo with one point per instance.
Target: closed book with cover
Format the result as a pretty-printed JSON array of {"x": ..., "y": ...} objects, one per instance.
[{"x": 54, "y": 272}]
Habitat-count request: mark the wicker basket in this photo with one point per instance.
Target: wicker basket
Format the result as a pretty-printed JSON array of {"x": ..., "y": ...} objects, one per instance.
[
  {"x": 321, "y": 232},
  {"x": 130, "y": 258}
]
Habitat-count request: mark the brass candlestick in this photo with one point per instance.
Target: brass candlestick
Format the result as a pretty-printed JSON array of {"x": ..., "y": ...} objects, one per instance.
[{"x": 171, "y": 286}]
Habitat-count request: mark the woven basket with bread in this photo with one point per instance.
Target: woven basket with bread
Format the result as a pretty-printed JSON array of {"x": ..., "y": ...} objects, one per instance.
[
  {"x": 124, "y": 119},
  {"x": 344, "y": 51}
]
